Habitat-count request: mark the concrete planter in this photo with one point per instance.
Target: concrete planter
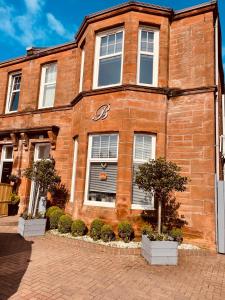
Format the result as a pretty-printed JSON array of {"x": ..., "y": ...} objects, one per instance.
[
  {"x": 33, "y": 227},
  {"x": 159, "y": 252}
]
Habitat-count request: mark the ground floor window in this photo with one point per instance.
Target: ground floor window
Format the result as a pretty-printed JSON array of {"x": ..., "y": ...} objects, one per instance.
[
  {"x": 75, "y": 152},
  {"x": 101, "y": 178},
  {"x": 6, "y": 163},
  {"x": 144, "y": 150}
]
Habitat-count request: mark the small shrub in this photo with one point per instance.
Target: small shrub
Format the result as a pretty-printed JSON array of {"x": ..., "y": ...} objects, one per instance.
[
  {"x": 146, "y": 229},
  {"x": 65, "y": 222},
  {"x": 125, "y": 231},
  {"x": 107, "y": 233},
  {"x": 78, "y": 228},
  {"x": 50, "y": 210},
  {"x": 177, "y": 234},
  {"x": 95, "y": 230},
  {"x": 54, "y": 218}
]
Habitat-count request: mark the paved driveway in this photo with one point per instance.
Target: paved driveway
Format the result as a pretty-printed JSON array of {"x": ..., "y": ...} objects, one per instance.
[{"x": 55, "y": 268}]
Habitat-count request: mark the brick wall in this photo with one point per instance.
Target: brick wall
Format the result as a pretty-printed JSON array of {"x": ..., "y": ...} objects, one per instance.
[{"x": 184, "y": 125}]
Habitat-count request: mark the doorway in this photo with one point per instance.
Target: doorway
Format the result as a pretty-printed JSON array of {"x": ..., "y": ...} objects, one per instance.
[{"x": 41, "y": 151}]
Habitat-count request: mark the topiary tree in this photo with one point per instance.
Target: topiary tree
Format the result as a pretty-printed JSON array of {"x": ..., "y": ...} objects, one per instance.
[
  {"x": 161, "y": 178},
  {"x": 44, "y": 175}
]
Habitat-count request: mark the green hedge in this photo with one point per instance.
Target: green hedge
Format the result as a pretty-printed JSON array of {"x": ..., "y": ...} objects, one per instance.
[
  {"x": 107, "y": 233},
  {"x": 54, "y": 218},
  {"x": 78, "y": 228},
  {"x": 65, "y": 222},
  {"x": 95, "y": 230},
  {"x": 125, "y": 231},
  {"x": 50, "y": 210}
]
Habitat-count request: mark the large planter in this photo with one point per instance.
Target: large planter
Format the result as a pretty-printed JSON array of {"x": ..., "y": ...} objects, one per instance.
[
  {"x": 33, "y": 227},
  {"x": 159, "y": 252}
]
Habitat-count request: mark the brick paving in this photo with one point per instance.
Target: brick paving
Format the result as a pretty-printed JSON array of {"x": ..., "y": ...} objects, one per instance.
[{"x": 56, "y": 268}]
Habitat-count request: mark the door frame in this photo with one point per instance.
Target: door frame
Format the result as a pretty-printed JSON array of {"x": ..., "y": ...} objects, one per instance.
[{"x": 32, "y": 186}]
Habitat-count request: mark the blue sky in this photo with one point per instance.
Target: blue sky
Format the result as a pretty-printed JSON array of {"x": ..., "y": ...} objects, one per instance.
[{"x": 26, "y": 23}]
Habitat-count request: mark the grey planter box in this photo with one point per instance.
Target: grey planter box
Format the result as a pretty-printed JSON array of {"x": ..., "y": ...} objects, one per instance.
[
  {"x": 159, "y": 252},
  {"x": 34, "y": 227}
]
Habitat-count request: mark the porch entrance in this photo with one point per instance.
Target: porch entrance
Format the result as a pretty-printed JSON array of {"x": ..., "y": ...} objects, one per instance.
[{"x": 41, "y": 151}]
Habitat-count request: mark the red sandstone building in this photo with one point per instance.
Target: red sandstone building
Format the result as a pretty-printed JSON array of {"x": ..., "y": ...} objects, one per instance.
[{"x": 139, "y": 81}]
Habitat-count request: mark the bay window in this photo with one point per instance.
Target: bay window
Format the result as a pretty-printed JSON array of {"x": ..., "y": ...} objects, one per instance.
[
  {"x": 48, "y": 85},
  {"x": 13, "y": 95},
  {"x": 108, "y": 59},
  {"x": 101, "y": 175},
  {"x": 144, "y": 150},
  {"x": 148, "y": 57}
]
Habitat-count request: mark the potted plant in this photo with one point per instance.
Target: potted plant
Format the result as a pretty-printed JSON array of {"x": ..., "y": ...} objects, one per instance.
[
  {"x": 13, "y": 205},
  {"x": 44, "y": 177},
  {"x": 160, "y": 179}
]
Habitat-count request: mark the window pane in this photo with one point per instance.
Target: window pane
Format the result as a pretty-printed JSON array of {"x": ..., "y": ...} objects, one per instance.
[
  {"x": 43, "y": 151},
  {"x": 146, "y": 69},
  {"x": 103, "y": 50},
  {"x": 102, "y": 182},
  {"x": 139, "y": 196},
  {"x": 50, "y": 73},
  {"x": 111, "y": 39},
  {"x": 49, "y": 95},
  {"x": 8, "y": 152},
  {"x": 16, "y": 82},
  {"x": 104, "y": 146},
  {"x": 109, "y": 71},
  {"x": 143, "y": 147},
  {"x": 14, "y": 101}
]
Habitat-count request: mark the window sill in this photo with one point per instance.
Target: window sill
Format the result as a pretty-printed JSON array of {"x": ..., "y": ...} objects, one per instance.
[
  {"x": 106, "y": 86},
  {"x": 100, "y": 204},
  {"x": 147, "y": 85},
  {"x": 11, "y": 112},
  {"x": 142, "y": 207}
]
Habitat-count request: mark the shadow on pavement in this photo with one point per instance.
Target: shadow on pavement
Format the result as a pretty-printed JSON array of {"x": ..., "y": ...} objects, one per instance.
[{"x": 15, "y": 254}]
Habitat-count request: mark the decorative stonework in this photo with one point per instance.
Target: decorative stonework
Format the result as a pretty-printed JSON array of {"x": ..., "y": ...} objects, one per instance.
[{"x": 102, "y": 112}]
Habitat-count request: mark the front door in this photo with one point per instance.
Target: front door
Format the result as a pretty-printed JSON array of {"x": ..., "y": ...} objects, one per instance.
[{"x": 41, "y": 151}]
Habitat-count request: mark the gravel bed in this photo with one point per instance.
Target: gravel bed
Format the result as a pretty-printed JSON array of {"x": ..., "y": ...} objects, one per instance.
[{"x": 115, "y": 244}]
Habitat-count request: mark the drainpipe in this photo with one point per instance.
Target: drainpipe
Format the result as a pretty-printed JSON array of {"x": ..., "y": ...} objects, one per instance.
[{"x": 217, "y": 150}]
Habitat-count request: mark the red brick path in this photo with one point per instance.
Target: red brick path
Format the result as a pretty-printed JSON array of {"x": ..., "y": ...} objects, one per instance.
[{"x": 55, "y": 268}]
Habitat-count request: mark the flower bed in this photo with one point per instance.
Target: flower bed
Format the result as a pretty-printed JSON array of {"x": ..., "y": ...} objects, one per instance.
[{"x": 114, "y": 244}]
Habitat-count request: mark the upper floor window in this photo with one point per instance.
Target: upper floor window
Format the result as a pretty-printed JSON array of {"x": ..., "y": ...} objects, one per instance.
[
  {"x": 48, "y": 85},
  {"x": 13, "y": 93},
  {"x": 108, "y": 59},
  {"x": 148, "y": 55},
  {"x": 82, "y": 70}
]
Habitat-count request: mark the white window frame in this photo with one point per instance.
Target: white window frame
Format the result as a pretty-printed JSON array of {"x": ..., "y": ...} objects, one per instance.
[
  {"x": 155, "y": 55},
  {"x": 74, "y": 170},
  {"x": 142, "y": 161},
  {"x": 97, "y": 57},
  {"x": 82, "y": 70},
  {"x": 10, "y": 92},
  {"x": 91, "y": 160},
  {"x": 3, "y": 159},
  {"x": 43, "y": 84}
]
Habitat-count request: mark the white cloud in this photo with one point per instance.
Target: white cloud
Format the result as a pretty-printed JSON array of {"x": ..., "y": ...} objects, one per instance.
[
  {"x": 33, "y": 6},
  {"x": 55, "y": 24},
  {"x": 31, "y": 27},
  {"x": 6, "y": 23}
]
